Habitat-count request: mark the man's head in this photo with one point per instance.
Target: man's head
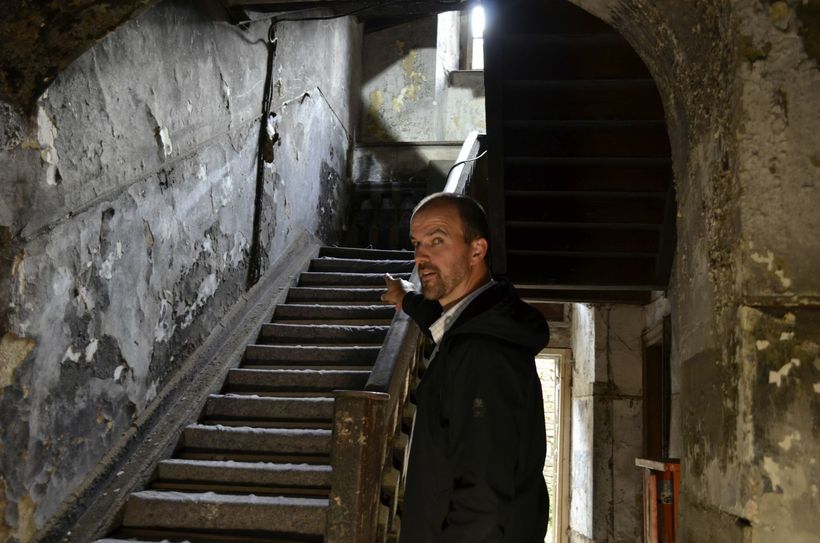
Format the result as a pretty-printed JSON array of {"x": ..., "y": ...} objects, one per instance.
[{"x": 449, "y": 235}]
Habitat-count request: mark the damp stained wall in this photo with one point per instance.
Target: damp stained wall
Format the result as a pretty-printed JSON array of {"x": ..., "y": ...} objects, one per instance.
[
  {"x": 605, "y": 485},
  {"x": 125, "y": 224},
  {"x": 413, "y": 93},
  {"x": 412, "y": 87},
  {"x": 740, "y": 85}
]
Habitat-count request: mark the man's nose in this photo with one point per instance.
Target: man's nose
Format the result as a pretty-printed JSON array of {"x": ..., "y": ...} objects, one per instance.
[{"x": 420, "y": 254}]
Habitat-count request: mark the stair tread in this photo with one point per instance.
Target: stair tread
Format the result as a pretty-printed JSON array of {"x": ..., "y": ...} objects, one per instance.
[
  {"x": 272, "y": 467},
  {"x": 236, "y": 407},
  {"x": 332, "y": 264},
  {"x": 289, "y": 333},
  {"x": 189, "y": 497},
  {"x": 369, "y": 254},
  {"x": 223, "y": 512},
  {"x": 237, "y": 472},
  {"x": 250, "y": 430},
  {"x": 345, "y": 278}
]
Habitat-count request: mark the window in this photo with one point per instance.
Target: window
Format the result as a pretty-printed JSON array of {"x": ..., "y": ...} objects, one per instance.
[{"x": 472, "y": 39}]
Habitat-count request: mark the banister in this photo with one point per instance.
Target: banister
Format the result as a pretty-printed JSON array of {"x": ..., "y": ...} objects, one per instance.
[{"x": 366, "y": 422}]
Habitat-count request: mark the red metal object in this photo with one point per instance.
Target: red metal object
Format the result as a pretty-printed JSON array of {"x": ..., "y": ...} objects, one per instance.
[{"x": 661, "y": 487}]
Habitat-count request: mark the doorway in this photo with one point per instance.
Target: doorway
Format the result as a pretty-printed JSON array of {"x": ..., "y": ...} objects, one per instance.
[{"x": 554, "y": 369}]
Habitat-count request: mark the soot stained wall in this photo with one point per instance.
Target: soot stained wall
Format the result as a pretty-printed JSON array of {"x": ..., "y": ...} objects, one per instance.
[
  {"x": 605, "y": 485},
  {"x": 125, "y": 224},
  {"x": 740, "y": 84}
]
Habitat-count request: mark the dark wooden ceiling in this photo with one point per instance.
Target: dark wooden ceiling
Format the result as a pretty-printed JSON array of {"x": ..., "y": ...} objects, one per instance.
[{"x": 581, "y": 199}]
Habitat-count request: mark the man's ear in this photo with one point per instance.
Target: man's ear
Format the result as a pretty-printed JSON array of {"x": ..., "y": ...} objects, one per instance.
[{"x": 478, "y": 250}]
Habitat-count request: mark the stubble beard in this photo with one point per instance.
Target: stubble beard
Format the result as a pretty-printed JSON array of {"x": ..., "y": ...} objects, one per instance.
[{"x": 441, "y": 285}]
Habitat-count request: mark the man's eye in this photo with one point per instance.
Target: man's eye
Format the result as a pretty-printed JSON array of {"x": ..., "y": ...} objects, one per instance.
[{"x": 437, "y": 241}]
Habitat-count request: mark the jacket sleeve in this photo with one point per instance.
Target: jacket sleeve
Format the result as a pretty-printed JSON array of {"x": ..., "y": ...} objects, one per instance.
[
  {"x": 484, "y": 415},
  {"x": 424, "y": 312}
]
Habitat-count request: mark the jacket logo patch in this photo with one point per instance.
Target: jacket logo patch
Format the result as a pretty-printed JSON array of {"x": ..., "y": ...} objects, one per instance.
[{"x": 478, "y": 408}]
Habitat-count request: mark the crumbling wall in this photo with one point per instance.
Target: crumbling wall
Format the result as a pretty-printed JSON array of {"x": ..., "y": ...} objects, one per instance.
[
  {"x": 126, "y": 220},
  {"x": 740, "y": 85},
  {"x": 414, "y": 93},
  {"x": 606, "y": 424}
]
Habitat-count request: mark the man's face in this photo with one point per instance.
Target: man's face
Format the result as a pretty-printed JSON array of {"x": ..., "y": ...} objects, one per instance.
[{"x": 442, "y": 256}]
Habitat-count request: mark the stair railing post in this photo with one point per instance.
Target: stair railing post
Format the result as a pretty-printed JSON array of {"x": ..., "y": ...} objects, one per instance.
[{"x": 359, "y": 447}]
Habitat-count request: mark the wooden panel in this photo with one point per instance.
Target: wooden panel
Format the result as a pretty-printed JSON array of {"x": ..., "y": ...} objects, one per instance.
[
  {"x": 570, "y": 57},
  {"x": 583, "y": 99},
  {"x": 622, "y": 273},
  {"x": 579, "y": 210},
  {"x": 602, "y": 174},
  {"x": 535, "y": 236},
  {"x": 587, "y": 138}
]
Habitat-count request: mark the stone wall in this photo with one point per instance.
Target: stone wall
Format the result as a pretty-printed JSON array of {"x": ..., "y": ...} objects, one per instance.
[
  {"x": 412, "y": 90},
  {"x": 740, "y": 85},
  {"x": 605, "y": 485},
  {"x": 125, "y": 224}
]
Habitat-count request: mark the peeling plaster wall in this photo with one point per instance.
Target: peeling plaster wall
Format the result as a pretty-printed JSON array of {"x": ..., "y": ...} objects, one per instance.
[
  {"x": 740, "y": 84},
  {"x": 125, "y": 223},
  {"x": 412, "y": 89},
  {"x": 605, "y": 485},
  {"x": 412, "y": 92},
  {"x": 398, "y": 83}
]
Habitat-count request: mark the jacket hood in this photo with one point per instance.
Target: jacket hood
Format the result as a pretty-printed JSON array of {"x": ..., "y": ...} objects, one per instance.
[{"x": 499, "y": 312}]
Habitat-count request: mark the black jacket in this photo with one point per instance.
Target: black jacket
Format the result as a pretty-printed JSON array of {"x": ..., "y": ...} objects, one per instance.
[{"x": 478, "y": 446}]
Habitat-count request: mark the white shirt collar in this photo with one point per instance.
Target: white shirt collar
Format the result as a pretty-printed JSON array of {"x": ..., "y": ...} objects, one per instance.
[{"x": 446, "y": 320}]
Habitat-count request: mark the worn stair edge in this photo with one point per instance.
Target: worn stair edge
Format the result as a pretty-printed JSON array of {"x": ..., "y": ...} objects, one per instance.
[
  {"x": 319, "y": 294},
  {"x": 367, "y": 254},
  {"x": 211, "y": 511},
  {"x": 345, "y": 279},
  {"x": 240, "y": 406},
  {"x": 304, "y": 379},
  {"x": 312, "y": 354},
  {"x": 316, "y": 311},
  {"x": 246, "y": 439},
  {"x": 328, "y": 264},
  {"x": 322, "y": 333},
  {"x": 257, "y": 473}
]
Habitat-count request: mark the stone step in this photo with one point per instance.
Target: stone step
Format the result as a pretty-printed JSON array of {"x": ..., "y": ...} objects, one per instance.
[
  {"x": 303, "y": 312},
  {"x": 355, "y": 265},
  {"x": 308, "y": 334},
  {"x": 251, "y": 476},
  {"x": 324, "y": 279},
  {"x": 267, "y": 515},
  {"x": 247, "y": 440},
  {"x": 250, "y": 408},
  {"x": 292, "y": 380},
  {"x": 366, "y": 254},
  {"x": 323, "y": 295},
  {"x": 310, "y": 356}
]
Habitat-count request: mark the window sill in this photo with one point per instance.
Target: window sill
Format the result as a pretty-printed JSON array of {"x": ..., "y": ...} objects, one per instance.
[{"x": 467, "y": 78}]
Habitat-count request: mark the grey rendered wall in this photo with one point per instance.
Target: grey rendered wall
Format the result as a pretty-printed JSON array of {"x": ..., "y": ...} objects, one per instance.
[
  {"x": 125, "y": 223},
  {"x": 605, "y": 485},
  {"x": 740, "y": 84},
  {"x": 411, "y": 90}
]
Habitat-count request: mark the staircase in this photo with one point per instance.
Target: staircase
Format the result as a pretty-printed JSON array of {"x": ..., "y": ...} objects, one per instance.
[
  {"x": 580, "y": 161},
  {"x": 256, "y": 465}
]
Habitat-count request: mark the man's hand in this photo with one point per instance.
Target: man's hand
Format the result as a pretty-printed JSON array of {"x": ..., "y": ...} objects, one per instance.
[{"x": 396, "y": 289}]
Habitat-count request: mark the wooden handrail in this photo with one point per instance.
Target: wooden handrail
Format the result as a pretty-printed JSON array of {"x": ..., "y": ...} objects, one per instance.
[{"x": 366, "y": 423}]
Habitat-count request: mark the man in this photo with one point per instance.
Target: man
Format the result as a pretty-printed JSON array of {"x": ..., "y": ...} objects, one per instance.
[{"x": 477, "y": 454}]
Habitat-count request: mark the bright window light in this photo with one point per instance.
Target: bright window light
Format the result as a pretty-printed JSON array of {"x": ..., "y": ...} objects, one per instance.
[{"x": 477, "y": 22}]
